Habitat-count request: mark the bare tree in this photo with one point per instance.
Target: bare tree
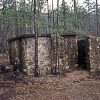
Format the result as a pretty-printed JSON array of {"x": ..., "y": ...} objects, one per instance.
[
  {"x": 36, "y": 42},
  {"x": 97, "y": 17}
]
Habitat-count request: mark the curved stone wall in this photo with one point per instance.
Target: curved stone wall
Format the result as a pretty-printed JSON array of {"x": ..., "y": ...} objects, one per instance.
[
  {"x": 22, "y": 49},
  {"x": 22, "y": 53}
]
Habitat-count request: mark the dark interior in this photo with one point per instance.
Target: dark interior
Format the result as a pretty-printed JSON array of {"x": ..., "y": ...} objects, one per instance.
[{"x": 82, "y": 54}]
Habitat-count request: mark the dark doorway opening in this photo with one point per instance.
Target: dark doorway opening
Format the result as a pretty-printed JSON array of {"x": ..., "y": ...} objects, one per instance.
[{"x": 82, "y": 53}]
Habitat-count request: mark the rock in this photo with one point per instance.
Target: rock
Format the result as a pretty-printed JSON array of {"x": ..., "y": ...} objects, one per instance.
[{"x": 2, "y": 68}]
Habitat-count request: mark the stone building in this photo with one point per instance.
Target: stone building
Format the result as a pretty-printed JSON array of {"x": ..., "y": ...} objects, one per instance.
[
  {"x": 67, "y": 52},
  {"x": 22, "y": 52},
  {"x": 22, "y": 49},
  {"x": 89, "y": 50}
]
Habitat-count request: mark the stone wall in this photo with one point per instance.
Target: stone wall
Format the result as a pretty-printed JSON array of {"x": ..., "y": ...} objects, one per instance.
[
  {"x": 44, "y": 54},
  {"x": 92, "y": 50},
  {"x": 14, "y": 51},
  {"x": 66, "y": 55},
  {"x": 94, "y": 53},
  {"x": 71, "y": 50},
  {"x": 28, "y": 45},
  {"x": 22, "y": 52},
  {"x": 22, "y": 49}
]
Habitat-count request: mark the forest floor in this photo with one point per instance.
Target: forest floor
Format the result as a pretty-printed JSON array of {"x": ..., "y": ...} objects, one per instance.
[{"x": 76, "y": 85}]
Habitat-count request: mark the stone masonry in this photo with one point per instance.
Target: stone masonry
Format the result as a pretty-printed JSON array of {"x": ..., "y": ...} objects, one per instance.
[
  {"x": 92, "y": 52},
  {"x": 66, "y": 55},
  {"x": 22, "y": 49},
  {"x": 22, "y": 52}
]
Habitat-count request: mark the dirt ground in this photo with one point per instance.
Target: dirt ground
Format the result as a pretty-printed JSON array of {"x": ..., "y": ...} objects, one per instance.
[{"x": 76, "y": 85}]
